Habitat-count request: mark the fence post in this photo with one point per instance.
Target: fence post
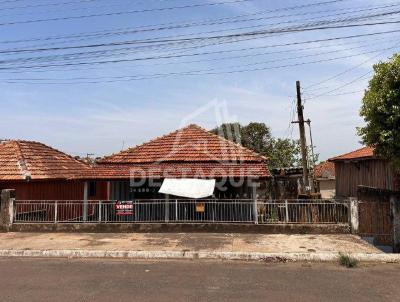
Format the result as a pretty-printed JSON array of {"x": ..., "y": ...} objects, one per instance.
[
  {"x": 255, "y": 210},
  {"x": 286, "y": 211},
  {"x": 176, "y": 209},
  {"x": 7, "y": 208},
  {"x": 335, "y": 214},
  {"x": 354, "y": 222},
  {"x": 395, "y": 216},
  {"x": 166, "y": 208},
  {"x": 55, "y": 211},
  {"x": 136, "y": 209},
  {"x": 99, "y": 210}
]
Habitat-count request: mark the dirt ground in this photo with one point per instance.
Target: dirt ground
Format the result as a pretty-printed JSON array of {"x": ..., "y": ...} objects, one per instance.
[{"x": 274, "y": 243}]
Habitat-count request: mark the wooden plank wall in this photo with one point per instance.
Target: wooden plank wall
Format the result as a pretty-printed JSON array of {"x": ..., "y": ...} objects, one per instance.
[
  {"x": 374, "y": 221},
  {"x": 374, "y": 215},
  {"x": 54, "y": 190},
  {"x": 372, "y": 173}
]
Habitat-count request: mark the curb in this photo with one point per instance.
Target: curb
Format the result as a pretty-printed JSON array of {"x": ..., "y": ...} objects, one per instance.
[
  {"x": 181, "y": 228},
  {"x": 248, "y": 256}
]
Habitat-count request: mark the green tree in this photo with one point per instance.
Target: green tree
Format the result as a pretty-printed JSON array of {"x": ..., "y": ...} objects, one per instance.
[
  {"x": 284, "y": 153},
  {"x": 258, "y": 137},
  {"x": 381, "y": 110},
  {"x": 311, "y": 161},
  {"x": 230, "y": 131}
]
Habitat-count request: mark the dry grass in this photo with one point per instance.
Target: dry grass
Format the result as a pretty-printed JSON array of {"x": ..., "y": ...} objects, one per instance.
[{"x": 348, "y": 261}]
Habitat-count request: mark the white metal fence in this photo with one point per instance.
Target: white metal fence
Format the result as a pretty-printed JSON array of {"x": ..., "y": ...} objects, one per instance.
[{"x": 182, "y": 211}]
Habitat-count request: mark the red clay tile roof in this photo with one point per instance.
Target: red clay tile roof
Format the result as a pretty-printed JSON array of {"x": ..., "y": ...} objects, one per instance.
[
  {"x": 188, "y": 152},
  {"x": 363, "y": 153},
  {"x": 179, "y": 170},
  {"x": 325, "y": 170},
  {"x": 21, "y": 160},
  {"x": 189, "y": 144}
]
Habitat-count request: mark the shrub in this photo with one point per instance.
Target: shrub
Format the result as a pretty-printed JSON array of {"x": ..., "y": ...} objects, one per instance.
[{"x": 348, "y": 261}]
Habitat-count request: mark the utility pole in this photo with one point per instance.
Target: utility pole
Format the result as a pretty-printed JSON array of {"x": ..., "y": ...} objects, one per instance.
[
  {"x": 303, "y": 143},
  {"x": 312, "y": 156},
  {"x": 311, "y": 142}
]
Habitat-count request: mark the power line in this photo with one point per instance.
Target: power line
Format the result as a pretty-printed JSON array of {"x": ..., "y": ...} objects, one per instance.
[
  {"x": 215, "y": 37},
  {"x": 211, "y": 71},
  {"x": 50, "y": 4},
  {"x": 345, "y": 93},
  {"x": 46, "y": 5},
  {"x": 210, "y": 52},
  {"x": 169, "y": 42},
  {"x": 206, "y": 22},
  {"x": 126, "y": 12},
  {"x": 74, "y": 56},
  {"x": 341, "y": 86},
  {"x": 10, "y": 1},
  {"x": 289, "y": 130},
  {"x": 213, "y": 59},
  {"x": 95, "y": 35},
  {"x": 343, "y": 72},
  {"x": 77, "y": 54},
  {"x": 236, "y": 29}
]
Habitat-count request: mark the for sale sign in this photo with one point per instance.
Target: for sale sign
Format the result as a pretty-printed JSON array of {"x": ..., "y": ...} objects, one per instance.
[
  {"x": 123, "y": 208},
  {"x": 200, "y": 207}
]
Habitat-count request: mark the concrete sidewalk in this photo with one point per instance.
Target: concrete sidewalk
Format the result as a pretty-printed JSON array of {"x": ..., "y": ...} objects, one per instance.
[
  {"x": 259, "y": 243},
  {"x": 231, "y": 246}
]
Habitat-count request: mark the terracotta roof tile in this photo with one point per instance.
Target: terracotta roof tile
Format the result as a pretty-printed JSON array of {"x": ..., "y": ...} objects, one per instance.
[
  {"x": 189, "y": 144},
  {"x": 325, "y": 170},
  {"x": 365, "y": 152},
  {"x": 20, "y": 160},
  {"x": 188, "y": 152},
  {"x": 178, "y": 170}
]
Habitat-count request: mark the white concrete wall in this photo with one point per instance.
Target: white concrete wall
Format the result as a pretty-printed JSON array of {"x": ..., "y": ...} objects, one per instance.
[{"x": 327, "y": 188}]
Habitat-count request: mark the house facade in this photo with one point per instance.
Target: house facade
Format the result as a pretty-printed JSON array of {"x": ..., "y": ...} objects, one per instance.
[
  {"x": 362, "y": 167},
  {"x": 324, "y": 174},
  {"x": 188, "y": 153},
  {"x": 38, "y": 172}
]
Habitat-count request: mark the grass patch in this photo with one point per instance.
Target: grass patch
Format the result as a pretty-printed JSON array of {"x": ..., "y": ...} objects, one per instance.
[{"x": 348, "y": 261}]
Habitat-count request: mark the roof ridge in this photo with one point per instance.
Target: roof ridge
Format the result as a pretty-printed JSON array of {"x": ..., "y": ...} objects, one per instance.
[
  {"x": 21, "y": 160},
  {"x": 238, "y": 145},
  {"x": 36, "y": 160},
  {"x": 62, "y": 152},
  {"x": 149, "y": 141},
  {"x": 348, "y": 153},
  {"x": 18, "y": 140},
  {"x": 192, "y": 135},
  {"x": 51, "y": 148}
]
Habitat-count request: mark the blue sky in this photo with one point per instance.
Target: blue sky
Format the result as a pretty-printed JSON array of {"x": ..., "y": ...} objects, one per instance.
[{"x": 104, "y": 117}]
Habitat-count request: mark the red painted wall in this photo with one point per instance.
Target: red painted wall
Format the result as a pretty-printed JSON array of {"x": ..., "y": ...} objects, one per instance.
[{"x": 54, "y": 190}]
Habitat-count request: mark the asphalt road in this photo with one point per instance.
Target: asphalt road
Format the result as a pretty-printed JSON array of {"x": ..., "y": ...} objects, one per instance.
[{"x": 117, "y": 280}]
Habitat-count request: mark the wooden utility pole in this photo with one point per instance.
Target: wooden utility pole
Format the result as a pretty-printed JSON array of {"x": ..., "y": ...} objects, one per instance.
[
  {"x": 303, "y": 143},
  {"x": 312, "y": 157}
]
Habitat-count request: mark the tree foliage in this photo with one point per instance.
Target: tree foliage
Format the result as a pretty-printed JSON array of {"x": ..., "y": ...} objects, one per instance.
[
  {"x": 284, "y": 153},
  {"x": 258, "y": 137},
  {"x": 381, "y": 110},
  {"x": 230, "y": 131}
]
